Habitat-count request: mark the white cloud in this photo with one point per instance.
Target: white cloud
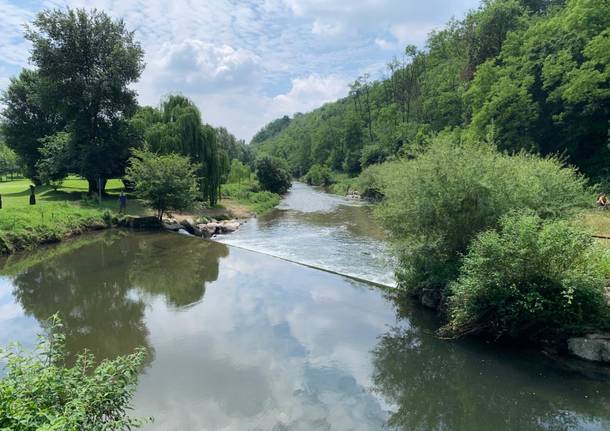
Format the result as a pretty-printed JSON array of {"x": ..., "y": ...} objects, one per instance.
[
  {"x": 245, "y": 62},
  {"x": 308, "y": 93},
  {"x": 384, "y": 44},
  {"x": 409, "y": 21},
  {"x": 204, "y": 65}
]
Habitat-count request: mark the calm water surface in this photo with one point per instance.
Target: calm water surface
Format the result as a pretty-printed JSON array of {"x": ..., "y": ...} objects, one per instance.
[{"x": 242, "y": 341}]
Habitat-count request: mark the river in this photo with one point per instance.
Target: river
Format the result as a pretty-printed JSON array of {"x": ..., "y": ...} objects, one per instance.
[{"x": 239, "y": 340}]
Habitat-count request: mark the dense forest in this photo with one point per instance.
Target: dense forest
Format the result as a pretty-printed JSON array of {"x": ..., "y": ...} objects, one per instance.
[{"x": 528, "y": 75}]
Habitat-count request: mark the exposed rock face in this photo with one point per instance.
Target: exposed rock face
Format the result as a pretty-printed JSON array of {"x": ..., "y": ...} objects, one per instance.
[
  {"x": 592, "y": 347},
  {"x": 607, "y": 292}
]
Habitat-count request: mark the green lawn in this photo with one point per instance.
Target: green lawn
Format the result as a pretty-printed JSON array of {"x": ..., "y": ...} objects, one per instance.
[
  {"x": 15, "y": 194},
  {"x": 57, "y": 214}
]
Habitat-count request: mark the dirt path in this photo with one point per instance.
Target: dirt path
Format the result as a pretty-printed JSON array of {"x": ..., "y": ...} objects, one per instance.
[{"x": 230, "y": 210}]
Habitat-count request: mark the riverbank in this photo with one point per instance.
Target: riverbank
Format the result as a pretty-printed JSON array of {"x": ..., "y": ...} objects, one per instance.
[
  {"x": 22, "y": 229},
  {"x": 59, "y": 213}
]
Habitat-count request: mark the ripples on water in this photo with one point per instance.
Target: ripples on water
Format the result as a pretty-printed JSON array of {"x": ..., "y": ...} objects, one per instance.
[{"x": 321, "y": 230}]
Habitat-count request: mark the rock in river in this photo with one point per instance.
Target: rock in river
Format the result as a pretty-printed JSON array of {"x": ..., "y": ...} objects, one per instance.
[
  {"x": 229, "y": 226},
  {"x": 171, "y": 224},
  {"x": 592, "y": 347}
]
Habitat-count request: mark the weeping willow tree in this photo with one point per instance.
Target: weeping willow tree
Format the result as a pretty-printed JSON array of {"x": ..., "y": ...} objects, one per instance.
[{"x": 176, "y": 127}]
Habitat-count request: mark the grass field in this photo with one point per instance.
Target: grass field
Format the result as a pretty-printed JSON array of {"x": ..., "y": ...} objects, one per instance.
[
  {"x": 57, "y": 214},
  {"x": 16, "y": 194}
]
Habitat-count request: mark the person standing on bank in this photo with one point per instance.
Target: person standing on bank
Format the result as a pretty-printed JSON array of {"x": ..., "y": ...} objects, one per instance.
[
  {"x": 122, "y": 203},
  {"x": 32, "y": 196}
]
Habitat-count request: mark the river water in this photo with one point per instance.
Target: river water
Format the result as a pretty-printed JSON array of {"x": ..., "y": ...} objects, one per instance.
[
  {"x": 238, "y": 340},
  {"x": 321, "y": 230}
]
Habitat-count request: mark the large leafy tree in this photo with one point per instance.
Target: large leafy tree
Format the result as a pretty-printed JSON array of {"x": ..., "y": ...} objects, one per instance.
[
  {"x": 87, "y": 62},
  {"x": 27, "y": 118}
]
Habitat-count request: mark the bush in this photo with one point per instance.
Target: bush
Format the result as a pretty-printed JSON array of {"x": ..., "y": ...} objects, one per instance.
[
  {"x": 530, "y": 278},
  {"x": 342, "y": 184},
  {"x": 272, "y": 174},
  {"x": 165, "y": 182},
  {"x": 370, "y": 183},
  {"x": 39, "y": 392},
  {"x": 438, "y": 202},
  {"x": 257, "y": 201},
  {"x": 319, "y": 175}
]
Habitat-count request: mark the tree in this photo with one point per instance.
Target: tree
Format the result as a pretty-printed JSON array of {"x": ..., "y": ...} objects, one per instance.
[
  {"x": 9, "y": 162},
  {"x": 319, "y": 175},
  {"x": 177, "y": 128},
  {"x": 26, "y": 119},
  {"x": 87, "y": 62},
  {"x": 239, "y": 172},
  {"x": 272, "y": 174},
  {"x": 164, "y": 182},
  {"x": 549, "y": 86},
  {"x": 53, "y": 165}
]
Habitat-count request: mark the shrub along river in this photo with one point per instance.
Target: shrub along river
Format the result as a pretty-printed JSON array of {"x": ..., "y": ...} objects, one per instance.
[{"x": 239, "y": 340}]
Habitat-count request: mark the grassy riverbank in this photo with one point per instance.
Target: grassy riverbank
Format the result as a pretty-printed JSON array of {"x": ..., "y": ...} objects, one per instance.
[
  {"x": 57, "y": 214},
  {"x": 247, "y": 195},
  {"x": 22, "y": 228}
]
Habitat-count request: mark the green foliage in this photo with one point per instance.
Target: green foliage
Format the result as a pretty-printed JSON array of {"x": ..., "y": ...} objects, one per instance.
[
  {"x": 530, "y": 278},
  {"x": 40, "y": 392},
  {"x": 259, "y": 201},
  {"x": 535, "y": 73},
  {"x": 319, "y": 175},
  {"x": 547, "y": 90},
  {"x": 438, "y": 202},
  {"x": 271, "y": 130},
  {"x": 53, "y": 164},
  {"x": 370, "y": 183},
  {"x": 70, "y": 48},
  {"x": 239, "y": 172},
  {"x": 272, "y": 174},
  {"x": 26, "y": 118},
  {"x": 177, "y": 128},
  {"x": 9, "y": 161},
  {"x": 164, "y": 182}
]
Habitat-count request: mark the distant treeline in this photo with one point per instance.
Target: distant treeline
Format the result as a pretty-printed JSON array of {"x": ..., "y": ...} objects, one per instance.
[{"x": 528, "y": 75}]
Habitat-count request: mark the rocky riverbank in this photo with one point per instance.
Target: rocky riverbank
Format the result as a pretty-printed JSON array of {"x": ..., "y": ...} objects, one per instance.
[{"x": 206, "y": 229}]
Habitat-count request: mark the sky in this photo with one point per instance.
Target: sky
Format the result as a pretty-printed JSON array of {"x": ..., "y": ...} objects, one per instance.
[{"x": 245, "y": 63}]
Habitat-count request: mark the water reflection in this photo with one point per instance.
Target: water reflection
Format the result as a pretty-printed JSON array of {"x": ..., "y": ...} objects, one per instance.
[
  {"x": 276, "y": 346},
  {"x": 91, "y": 285},
  {"x": 178, "y": 270},
  {"x": 438, "y": 385}
]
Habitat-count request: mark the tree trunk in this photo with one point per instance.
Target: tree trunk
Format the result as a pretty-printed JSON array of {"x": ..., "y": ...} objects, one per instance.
[{"x": 93, "y": 185}]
